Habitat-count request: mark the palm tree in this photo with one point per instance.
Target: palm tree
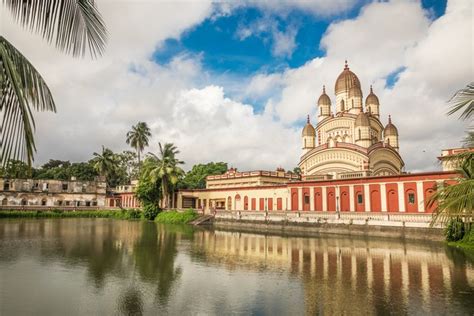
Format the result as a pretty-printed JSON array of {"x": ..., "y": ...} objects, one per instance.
[
  {"x": 105, "y": 163},
  {"x": 457, "y": 200},
  {"x": 138, "y": 138},
  {"x": 73, "y": 25},
  {"x": 164, "y": 168}
]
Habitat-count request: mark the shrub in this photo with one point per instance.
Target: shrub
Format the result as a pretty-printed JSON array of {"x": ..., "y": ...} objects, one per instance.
[
  {"x": 175, "y": 217},
  {"x": 150, "y": 211},
  {"x": 455, "y": 230}
]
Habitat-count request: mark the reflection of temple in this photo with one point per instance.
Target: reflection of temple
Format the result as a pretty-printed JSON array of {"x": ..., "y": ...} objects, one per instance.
[{"x": 341, "y": 275}]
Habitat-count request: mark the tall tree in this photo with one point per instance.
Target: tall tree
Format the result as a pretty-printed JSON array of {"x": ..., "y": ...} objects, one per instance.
[
  {"x": 105, "y": 163},
  {"x": 457, "y": 200},
  {"x": 74, "y": 26},
  {"x": 164, "y": 167},
  {"x": 138, "y": 137}
]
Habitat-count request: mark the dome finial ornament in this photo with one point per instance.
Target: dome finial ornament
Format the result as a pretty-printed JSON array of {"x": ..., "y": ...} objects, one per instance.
[
  {"x": 371, "y": 91},
  {"x": 307, "y": 119},
  {"x": 389, "y": 119},
  {"x": 346, "y": 66},
  {"x": 324, "y": 89}
]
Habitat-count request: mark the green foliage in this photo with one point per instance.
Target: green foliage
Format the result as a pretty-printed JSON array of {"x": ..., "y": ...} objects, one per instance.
[
  {"x": 150, "y": 211},
  {"x": 455, "y": 230},
  {"x": 16, "y": 169},
  {"x": 175, "y": 217},
  {"x": 138, "y": 137},
  {"x": 73, "y": 26},
  {"x": 196, "y": 177}
]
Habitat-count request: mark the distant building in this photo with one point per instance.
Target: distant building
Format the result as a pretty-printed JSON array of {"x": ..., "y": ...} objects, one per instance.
[
  {"x": 52, "y": 193},
  {"x": 450, "y": 164},
  {"x": 123, "y": 196}
]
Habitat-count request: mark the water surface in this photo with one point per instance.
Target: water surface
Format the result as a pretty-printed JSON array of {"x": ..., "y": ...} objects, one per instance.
[{"x": 109, "y": 267}]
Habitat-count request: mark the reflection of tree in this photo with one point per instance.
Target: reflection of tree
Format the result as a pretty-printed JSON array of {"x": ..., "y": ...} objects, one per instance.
[
  {"x": 155, "y": 253},
  {"x": 130, "y": 302}
]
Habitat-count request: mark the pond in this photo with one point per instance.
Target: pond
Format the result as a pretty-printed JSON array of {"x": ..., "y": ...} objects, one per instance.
[{"x": 110, "y": 267}]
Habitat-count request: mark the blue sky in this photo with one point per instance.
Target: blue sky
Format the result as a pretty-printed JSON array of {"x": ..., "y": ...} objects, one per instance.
[{"x": 223, "y": 51}]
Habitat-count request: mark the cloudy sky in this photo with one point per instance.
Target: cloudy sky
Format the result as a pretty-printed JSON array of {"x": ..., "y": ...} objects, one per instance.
[{"x": 234, "y": 82}]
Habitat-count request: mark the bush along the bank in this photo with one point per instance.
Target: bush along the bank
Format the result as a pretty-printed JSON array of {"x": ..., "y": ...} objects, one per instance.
[
  {"x": 175, "y": 217},
  {"x": 150, "y": 211},
  {"x": 455, "y": 230},
  {"x": 118, "y": 214}
]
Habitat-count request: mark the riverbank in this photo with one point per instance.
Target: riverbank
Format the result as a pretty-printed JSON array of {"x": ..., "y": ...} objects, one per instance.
[{"x": 166, "y": 217}]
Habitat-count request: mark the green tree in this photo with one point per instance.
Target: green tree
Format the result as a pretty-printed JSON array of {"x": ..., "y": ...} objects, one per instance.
[
  {"x": 16, "y": 169},
  {"x": 105, "y": 163},
  {"x": 138, "y": 137},
  {"x": 83, "y": 171},
  {"x": 196, "y": 177},
  {"x": 73, "y": 25},
  {"x": 457, "y": 200},
  {"x": 164, "y": 168}
]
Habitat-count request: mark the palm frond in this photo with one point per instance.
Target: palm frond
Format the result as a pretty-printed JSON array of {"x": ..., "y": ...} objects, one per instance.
[
  {"x": 463, "y": 100},
  {"x": 73, "y": 25},
  {"x": 22, "y": 91}
]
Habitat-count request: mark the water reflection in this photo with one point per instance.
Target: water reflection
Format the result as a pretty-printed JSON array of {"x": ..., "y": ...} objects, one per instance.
[{"x": 93, "y": 266}]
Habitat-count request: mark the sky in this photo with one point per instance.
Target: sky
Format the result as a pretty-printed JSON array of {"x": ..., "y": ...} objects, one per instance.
[{"x": 234, "y": 81}]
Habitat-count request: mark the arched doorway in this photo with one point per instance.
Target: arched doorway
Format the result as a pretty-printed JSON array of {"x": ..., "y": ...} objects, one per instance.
[
  {"x": 238, "y": 202},
  {"x": 345, "y": 205},
  {"x": 392, "y": 201},
  {"x": 5, "y": 201},
  {"x": 246, "y": 203},
  {"x": 375, "y": 201}
]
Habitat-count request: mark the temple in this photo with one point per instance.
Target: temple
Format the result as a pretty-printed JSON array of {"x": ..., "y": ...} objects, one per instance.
[{"x": 349, "y": 140}]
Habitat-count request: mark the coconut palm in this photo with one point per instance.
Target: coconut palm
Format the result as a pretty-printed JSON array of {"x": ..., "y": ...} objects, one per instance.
[
  {"x": 457, "y": 200},
  {"x": 74, "y": 26},
  {"x": 164, "y": 168},
  {"x": 105, "y": 163},
  {"x": 138, "y": 138}
]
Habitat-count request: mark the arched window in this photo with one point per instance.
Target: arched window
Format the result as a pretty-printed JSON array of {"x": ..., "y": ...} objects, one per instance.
[
  {"x": 229, "y": 203},
  {"x": 304, "y": 142},
  {"x": 4, "y": 201},
  {"x": 24, "y": 202},
  {"x": 342, "y": 105},
  {"x": 321, "y": 111},
  {"x": 352, "y": 102},
  {"x": 360, "y": 134}
]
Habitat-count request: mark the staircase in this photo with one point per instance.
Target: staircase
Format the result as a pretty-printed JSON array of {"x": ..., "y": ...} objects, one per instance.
[{"x": 203, "y": 220}]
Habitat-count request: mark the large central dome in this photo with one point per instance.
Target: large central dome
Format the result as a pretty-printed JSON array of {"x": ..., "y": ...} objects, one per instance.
[{"x": 346, "y": 80}]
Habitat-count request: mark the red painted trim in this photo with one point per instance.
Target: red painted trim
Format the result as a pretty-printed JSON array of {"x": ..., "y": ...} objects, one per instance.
[{"x": 392, "y": 197}]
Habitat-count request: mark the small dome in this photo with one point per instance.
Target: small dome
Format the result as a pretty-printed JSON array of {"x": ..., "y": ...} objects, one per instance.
[
  {"x": 308, "y": 129},
  {"x": 372, "y": 98},
  {"x": 346, "y": 80},
  {"x": 390, "y": 129},
  {"x": 355, "y": 92},
  {"x": 324, "y": 98},
  {"x": 362, "y": 120}
]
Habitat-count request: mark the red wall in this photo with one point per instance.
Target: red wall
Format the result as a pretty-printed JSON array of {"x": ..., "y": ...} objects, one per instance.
[
  {"x": 318, "y": 199},
  {"x": 331, "y": 199},
  {"x": 279, "y": 204},
  {"x": 410, "y": 187},
  {"x": 375, "y": 201},
  {"x": 294, "y": 199},
  {"x": 429, "y": 188},
  {"x": 306, "y": 206},
  {"x": 392, "y": 197},
  {"x": 345, "y": 199},
  {"x": 359, "y": 189}
]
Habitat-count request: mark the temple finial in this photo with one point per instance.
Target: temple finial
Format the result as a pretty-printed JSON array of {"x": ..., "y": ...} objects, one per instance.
[
  {"x": 324, "y": 89},
  {"x": 371, "y": 91},
  {"x": 389, "y": 119},
  {"x": 307, "y": 119},
  {"x": 346, "y": 66}
]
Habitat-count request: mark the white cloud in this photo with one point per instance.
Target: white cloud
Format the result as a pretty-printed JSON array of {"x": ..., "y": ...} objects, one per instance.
[
  {"x": 435, "y": 56},
  {"x": 99, "y": 100}
]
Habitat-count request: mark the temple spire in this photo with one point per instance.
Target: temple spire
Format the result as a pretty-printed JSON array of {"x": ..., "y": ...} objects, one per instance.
[
  {"x": 307, "y": 119},
  {"x": 371, "y": 91},
  {"x": 346, "y": 66},
  {"x": 324, "y": 89},
  {"x": 389, "y": 119}
]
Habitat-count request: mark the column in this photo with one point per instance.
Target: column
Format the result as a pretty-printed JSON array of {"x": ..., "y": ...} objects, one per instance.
[
  {"x": 419, "y": 196},
  {"x": 300, "y": 199},
  {"x": 401, "y": 197},
  {"x": 367, "y": 197},
  {"x": 383, "y": 198},
  {"x": 325, "y": 202},
  {"x": 311, "y": 199},
  {"x": 351, "y": 199}
]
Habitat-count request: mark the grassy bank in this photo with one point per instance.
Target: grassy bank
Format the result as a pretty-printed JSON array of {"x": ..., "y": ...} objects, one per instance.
[
  {"x": 467, "y": 242},
  {"x": 175, "y": 217},
  {"x": 118, "y": 214}
]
